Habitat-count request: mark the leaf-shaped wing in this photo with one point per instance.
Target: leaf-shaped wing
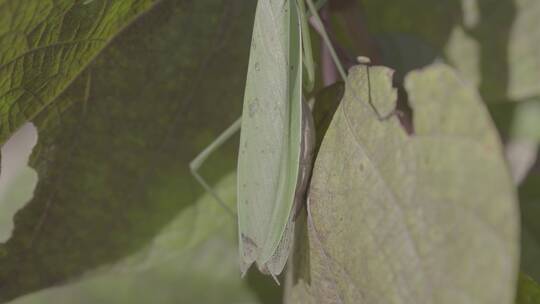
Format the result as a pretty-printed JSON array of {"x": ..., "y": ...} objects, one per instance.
[{"x": 271, "y": 137}]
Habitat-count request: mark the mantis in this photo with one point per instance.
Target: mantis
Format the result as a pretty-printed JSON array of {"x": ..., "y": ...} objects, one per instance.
[{"x": 277, "y": 133}]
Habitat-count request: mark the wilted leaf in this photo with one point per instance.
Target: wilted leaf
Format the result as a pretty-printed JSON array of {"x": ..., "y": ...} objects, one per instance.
[
  {"x": 45, "y": 44},
  {"x": 114, "y": 149},
  {"x": 426, "y": 218}
]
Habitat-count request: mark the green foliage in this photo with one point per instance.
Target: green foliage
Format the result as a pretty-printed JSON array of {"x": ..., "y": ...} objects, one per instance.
[
  {"x": 45, "y": 44},
  {"x": 193, "y": 255},
  {"x": 114, "y": 148},
  {"x": 492, "y": 43}
]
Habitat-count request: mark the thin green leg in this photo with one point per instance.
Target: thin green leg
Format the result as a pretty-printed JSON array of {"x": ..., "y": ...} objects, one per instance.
[
  {"x": 306, "y": 47},
  {"x": 326, "y": 39},
  {"x": 201, "y": 158},
  {"x": 320, "y": 3}
]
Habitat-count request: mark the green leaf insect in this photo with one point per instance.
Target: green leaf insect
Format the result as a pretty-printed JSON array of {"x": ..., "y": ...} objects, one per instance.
[{"x": 277, "y": 133}]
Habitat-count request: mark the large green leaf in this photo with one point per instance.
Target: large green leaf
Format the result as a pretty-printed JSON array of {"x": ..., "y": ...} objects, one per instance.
[
  {"x": 193, "y": 260},
  {"x": 113, "y": 150},
  {"x": 45, "y": 44},
  {"x": 426, "y": 218}
]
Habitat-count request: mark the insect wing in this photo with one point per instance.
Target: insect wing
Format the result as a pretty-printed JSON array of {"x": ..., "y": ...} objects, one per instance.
[{"x": 270, "y": 139}]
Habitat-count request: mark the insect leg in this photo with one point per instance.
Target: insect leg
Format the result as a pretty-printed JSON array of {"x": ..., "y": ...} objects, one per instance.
[
  {"x": 306, "y": 47},
  {"x": 325, "y": 38},
  {"x": 196, "y": 163}
]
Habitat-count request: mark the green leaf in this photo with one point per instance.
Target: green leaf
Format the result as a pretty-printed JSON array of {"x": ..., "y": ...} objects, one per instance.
[
  {"x": 45, "y": 44},
  {"x": 528, "y": 291},
  {"x": 426, "y": 218},
  {"x": 193, "y": 260},
  {"x": 113, "y": 150}
]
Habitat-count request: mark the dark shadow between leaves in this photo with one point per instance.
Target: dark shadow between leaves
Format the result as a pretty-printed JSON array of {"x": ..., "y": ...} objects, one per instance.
[{"x": 529, "y": 197}]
